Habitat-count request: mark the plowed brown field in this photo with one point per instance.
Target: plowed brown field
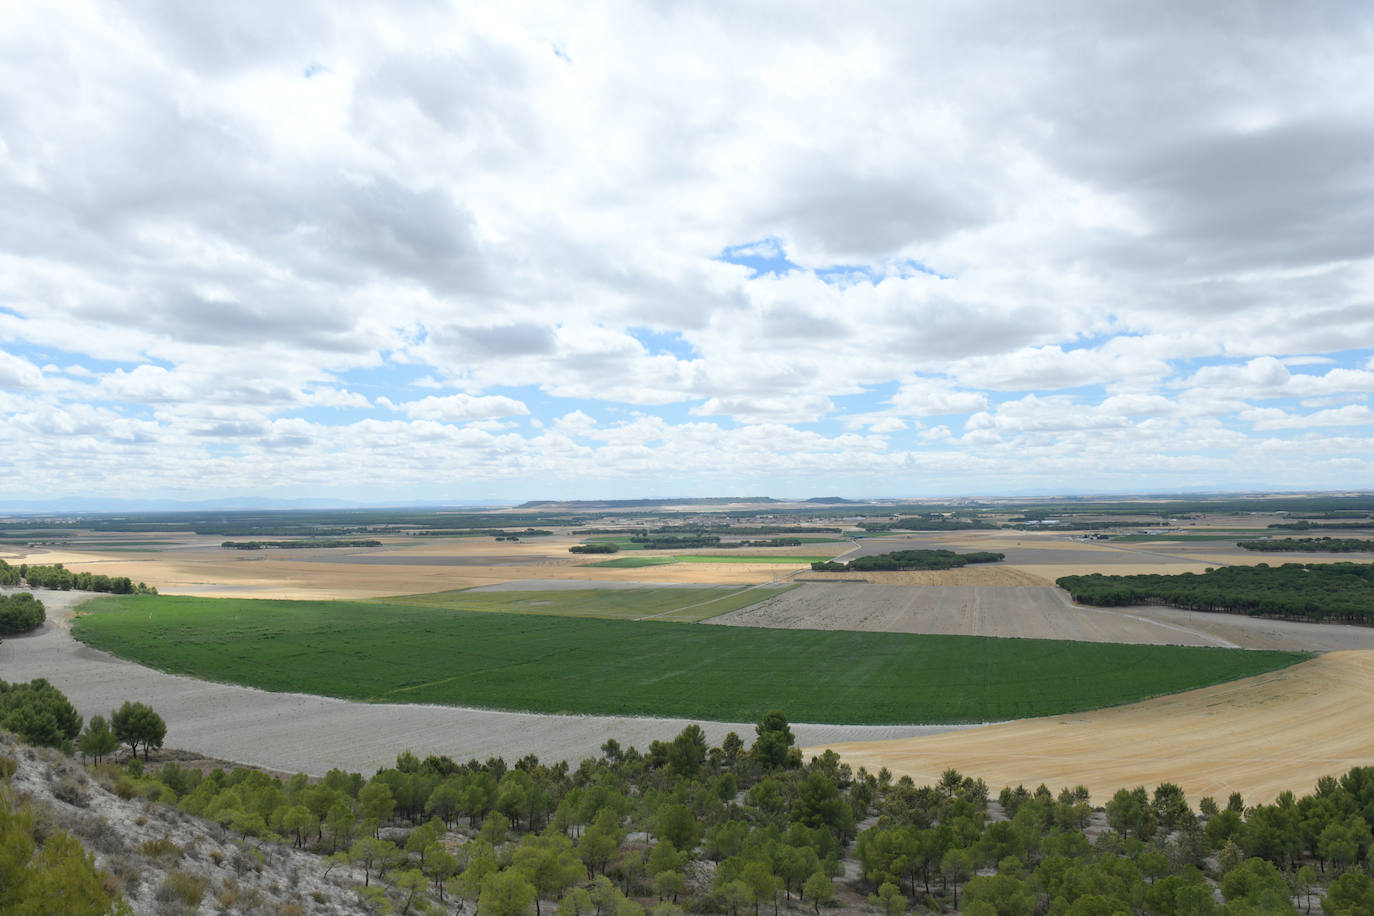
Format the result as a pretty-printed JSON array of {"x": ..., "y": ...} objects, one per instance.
[{"x": 1258, "y": 736}]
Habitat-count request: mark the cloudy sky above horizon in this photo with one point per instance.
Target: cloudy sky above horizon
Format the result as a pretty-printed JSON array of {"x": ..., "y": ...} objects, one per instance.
[{"x": 433, "y": 250}]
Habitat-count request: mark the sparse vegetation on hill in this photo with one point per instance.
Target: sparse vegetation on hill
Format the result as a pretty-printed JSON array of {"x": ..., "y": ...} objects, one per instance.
[
  {"x": 679, "y": 826},
  {"x": 1341, "y": 592}
]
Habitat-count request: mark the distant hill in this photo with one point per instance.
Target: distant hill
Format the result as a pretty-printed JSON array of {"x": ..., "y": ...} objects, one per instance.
[{"x": 640, "y": 503}]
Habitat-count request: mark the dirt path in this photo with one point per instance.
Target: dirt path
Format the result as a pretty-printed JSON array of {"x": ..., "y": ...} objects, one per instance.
[
  {"x": 310, "y": 734},
  {"x": 1258, "y": 736}
]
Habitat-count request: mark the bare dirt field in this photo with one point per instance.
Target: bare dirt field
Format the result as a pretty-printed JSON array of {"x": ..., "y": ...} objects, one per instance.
[
  {"x": 309, "y": 734},
  {"x": 1258, "y": 736}
]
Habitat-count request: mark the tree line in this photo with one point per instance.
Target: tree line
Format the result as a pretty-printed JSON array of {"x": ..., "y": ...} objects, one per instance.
[
  {"x": 1323, "y": 545},
  {"x": 59, "y": 578},
  {"x": 675, "y": 541},
  {"x": 1306, "y": 525},
  {"x": 1341, "y": 592},
  {"x": 909, "y": 559}
]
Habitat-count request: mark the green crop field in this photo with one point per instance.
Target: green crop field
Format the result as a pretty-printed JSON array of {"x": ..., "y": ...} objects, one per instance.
[
  {"x": 634, "y": 562},
  {"x": 405, "y": 653},
  {"x": 662, "y": 603}
]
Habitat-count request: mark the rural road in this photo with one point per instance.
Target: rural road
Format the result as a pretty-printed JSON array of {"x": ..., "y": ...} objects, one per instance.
[{"x": 310, "y": 734}]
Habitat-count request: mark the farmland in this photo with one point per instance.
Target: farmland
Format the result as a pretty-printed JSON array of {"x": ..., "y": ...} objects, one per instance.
[
  {"x": 533, "y": 585},
  {"x": 401, "y": 653},
  {"x": 674, "y": 604}
]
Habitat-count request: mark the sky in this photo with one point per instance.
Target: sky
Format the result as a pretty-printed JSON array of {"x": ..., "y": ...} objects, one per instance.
[{"x": 429, "y": 251}]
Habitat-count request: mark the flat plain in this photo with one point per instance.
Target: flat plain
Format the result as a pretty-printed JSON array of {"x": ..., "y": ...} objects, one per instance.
[{"x": 1257, "y": 735}]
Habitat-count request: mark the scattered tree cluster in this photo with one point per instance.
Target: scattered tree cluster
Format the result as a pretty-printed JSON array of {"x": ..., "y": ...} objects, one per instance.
[
  {"x": 39, "y": 713},
  {"x": 594, "y": 548},
  {"x": 60, "y": 578},
  {"x": 1321, "y": 545},
  {"x": 300, "y": 545},
  {"x": 909, "y": 559},
  {"x": 1342, "y": 592},
  {"x": 20, "y": 613}
]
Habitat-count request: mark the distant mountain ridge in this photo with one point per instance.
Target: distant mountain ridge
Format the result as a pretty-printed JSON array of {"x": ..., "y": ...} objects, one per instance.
[{"x": 641, "y": 503}]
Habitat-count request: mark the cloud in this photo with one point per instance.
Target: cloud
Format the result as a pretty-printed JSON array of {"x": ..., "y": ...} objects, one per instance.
[
  {"x": 1273, "y": 418},
  {"x": 920, "y": 397},
  {"x": 18, "y": 374},
  {"x": 315, "y": 242},
  {"x": 458, "y": 408}
]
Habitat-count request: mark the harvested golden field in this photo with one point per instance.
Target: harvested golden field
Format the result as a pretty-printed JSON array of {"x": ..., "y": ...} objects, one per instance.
[
  {"x": 1258, "y": 736},
  {"x": 402, "y": 566}
]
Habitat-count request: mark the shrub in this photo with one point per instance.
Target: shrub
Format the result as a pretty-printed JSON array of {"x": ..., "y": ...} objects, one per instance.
[{"x": 184, "y": 888}]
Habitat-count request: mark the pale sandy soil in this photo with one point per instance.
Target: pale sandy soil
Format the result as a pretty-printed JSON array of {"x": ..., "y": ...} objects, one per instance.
[
  {"x": 309, "y": 734},
  {"x": 1258, "y": 736}
]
